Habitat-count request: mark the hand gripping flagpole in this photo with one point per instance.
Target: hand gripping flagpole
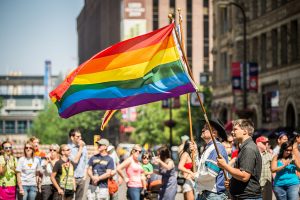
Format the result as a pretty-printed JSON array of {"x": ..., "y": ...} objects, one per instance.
[{"x": 198, "y": 96}]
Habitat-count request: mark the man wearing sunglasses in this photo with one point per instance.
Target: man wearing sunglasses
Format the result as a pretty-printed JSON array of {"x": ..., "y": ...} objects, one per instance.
[
  {"x": 266, "y": 175},
  {"x": 100, "y": 167}
]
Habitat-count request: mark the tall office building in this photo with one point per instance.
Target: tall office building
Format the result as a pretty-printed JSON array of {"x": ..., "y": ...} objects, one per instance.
[{"x": 103, "y": 23}]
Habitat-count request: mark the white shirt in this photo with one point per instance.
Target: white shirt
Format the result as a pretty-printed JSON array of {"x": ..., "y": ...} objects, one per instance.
[{"x": 28, "y": 168}]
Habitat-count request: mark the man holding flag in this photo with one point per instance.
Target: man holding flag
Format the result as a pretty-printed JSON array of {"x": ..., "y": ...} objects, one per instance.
[{"x": 209, "y": 177}]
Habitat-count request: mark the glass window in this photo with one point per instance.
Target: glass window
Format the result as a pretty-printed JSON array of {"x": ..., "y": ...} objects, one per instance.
[
  {"x": 263, "y": 5},
  {"x": 270, "y": 105},
  {"x": 294, "y": 40},
  {"x": 274, "y": 47},
  {"x": 274, "y": 4},
  {"x": 155, "y": 14},
  {"x": 22, "y": 126},
  {"x": 284, "y": 45},
  {"x": 254, "y": 9},
  {"x": 10, "y": 127},
  {"x": 263, "y": 58}
]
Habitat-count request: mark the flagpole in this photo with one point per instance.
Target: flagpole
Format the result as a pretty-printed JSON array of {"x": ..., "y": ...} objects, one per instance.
[
  {"x": 198, "y": 96},
  {"x": 188, "y": 94}
]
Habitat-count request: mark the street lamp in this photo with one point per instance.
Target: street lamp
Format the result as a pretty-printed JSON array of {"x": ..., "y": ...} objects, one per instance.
[{"x": 225, "y": 4}]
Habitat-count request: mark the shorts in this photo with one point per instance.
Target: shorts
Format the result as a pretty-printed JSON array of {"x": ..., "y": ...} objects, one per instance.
[
  {"x": 188, "y": 185},
  {"x": 97, "y": 193}
]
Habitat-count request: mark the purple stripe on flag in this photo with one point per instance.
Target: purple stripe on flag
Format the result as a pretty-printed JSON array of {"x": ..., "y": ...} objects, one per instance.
[{"x": 119, "y": 103}]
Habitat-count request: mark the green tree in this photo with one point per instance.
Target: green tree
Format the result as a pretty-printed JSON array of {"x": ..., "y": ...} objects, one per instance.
[
  {"x": 149, "y": 126},
  {"x": 50, "y": 128}
]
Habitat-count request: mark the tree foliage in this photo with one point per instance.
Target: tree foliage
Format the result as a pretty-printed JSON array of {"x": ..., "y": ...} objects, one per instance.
[
  {"x": 149, "y": 126},
  {"x": 50, "y": 128}
]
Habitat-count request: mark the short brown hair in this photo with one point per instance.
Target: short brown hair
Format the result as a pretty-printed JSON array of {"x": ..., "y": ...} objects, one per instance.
[{"x": 245, "y": 124}]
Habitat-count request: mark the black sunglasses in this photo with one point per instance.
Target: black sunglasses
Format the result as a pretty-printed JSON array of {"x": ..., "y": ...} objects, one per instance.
[{"x": 140, "y": 151}]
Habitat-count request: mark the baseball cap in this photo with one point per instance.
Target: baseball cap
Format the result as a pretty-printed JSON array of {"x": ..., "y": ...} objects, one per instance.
[
  {"x": 103, "y": 142},
  {"x": 262, "y": 139}
]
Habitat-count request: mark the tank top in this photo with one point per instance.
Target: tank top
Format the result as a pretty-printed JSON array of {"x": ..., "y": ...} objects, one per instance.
[
  {"x": 134, "y": 173},
  {"x": 188, "y": 165}
]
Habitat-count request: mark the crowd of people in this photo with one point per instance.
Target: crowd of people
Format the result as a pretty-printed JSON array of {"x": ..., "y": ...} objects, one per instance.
[{"x": 239, "y": 168}]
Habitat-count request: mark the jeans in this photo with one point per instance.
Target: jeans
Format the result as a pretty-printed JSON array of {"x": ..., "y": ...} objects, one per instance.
[
  {"x": 134, "y": 193},
  {"x": 287, "y": 192},
  {"x": 259, "y": 198},
  {"x": 211, "y": 196},
  {"x": 29, "y": 192}
]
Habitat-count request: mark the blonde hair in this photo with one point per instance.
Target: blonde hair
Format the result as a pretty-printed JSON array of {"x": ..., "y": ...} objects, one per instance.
[
  {"x": 245, "y": 124},
  {"x": 136, "y": 146},
  {"x": 55, "y": 146},
  {"x": 61, "y": 148}
]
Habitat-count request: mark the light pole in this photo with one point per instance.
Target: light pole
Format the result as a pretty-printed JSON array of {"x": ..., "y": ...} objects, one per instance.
[{"x": 225, "y": 4}]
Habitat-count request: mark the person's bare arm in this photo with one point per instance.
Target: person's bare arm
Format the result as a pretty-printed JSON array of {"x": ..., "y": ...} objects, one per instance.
[
  {"x": 122, "y": 166},
  {"x": 106, "y": 175},
  {"x": 182, "y": 161},
  {"x": 55, "y": 184},
  {"x": 274, "y": 167},
  {"x": 235, "y": 172},
  {"x": 168, "y": 165},
  {"x": 20, "y": 183}
]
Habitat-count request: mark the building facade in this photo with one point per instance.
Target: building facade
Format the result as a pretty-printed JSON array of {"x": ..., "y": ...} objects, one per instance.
[
  {"x": 22, "y": 98},
  {"x": 98, "y": 27},
  {"x": 103, "y": 23},
  {"x": 272, "y": 42}
]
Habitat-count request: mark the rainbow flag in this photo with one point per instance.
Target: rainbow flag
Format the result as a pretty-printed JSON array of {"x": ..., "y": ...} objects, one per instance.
[{"x": 137, "y": 71}]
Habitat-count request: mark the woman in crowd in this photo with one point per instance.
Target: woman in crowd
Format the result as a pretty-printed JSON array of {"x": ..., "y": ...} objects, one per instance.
[
  {"x": 134, "y": 173},
  {"x": 167, "y": 170},
  {"x": 27, "y": 169},
  {"x": 286, "y": 182},
  {"x": 8, "y": 180},
  {"x": 62, "y": 175},
  {"x": 46, "y": 170},
  {"x": 186, "y": 166}
]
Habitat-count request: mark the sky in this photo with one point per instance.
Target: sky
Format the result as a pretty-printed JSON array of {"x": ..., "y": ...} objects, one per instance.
[{"x": 32, "y": 31}]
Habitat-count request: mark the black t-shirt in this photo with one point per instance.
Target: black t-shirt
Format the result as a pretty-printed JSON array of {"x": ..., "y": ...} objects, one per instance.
[
  {"x": 249, "y": 160},
  {"x": 64, "y": 173},
  {"x": 99, "y": 166}
]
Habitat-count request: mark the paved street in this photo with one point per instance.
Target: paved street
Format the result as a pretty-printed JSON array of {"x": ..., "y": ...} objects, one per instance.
[{"x": 122, "y": 193}]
